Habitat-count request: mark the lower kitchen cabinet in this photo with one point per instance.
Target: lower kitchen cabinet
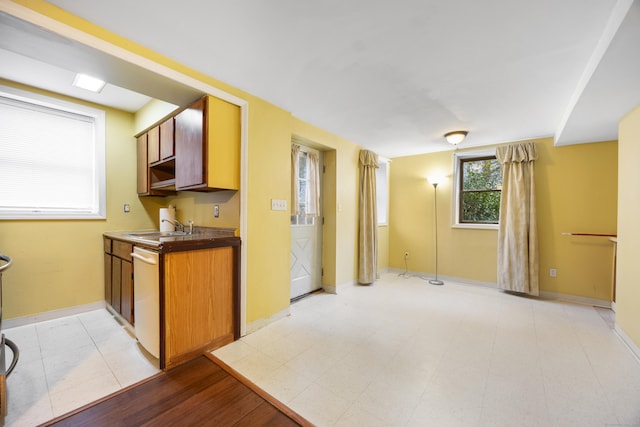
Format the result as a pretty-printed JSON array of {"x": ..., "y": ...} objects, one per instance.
[
  {"x": 198, "y": 284},
  {"x": 198, "y": 302},
  {"x": 118, "y": 277}
]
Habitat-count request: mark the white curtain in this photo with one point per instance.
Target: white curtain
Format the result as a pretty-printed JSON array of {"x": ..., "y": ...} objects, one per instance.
[
  {"x": 517, "y": 235},
  {"x": 295, "y": 183},
  {"x": 313, "y": 189},
  {"x": 368, "y": 231}
]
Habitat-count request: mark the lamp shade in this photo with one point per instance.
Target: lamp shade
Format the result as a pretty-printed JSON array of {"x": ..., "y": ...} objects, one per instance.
[
  {"x": 455, "y": 137},
  {"x": 435, "y": 179}
]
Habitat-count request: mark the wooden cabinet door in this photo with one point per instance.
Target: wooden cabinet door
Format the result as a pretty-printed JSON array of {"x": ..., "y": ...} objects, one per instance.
[
  {"x": 107, "y": 278},
  {"x": 166, "y": 139},
  {"x": 190, "y": 147},
  {"x": 198, "y": 302},
  {"x": 143, "y": 165},
  {"x": 153, "y": 145},
  {"x": 116, "y": 283},
  {"x": 126, "y": 291}
]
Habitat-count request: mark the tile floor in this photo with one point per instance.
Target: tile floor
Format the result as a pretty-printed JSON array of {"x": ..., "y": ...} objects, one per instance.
[
  {"x": 69, "y": 362},
  {"x": 398, "y": 353},
  {"x": 406, "y": 353}
]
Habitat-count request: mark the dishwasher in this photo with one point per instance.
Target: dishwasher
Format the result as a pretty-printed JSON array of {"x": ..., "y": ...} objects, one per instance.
[{"x": 146, "y": 299}]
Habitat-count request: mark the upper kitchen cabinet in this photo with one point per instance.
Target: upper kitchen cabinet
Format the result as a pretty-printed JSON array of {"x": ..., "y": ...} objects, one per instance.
[
  {"x": 160, "y": 142},
  {"x": 197, "y": 149},
  {"x": 142, "y": 165},
  {"x": 152, "y": 179},
  {"x": 153, "y": 145},
  {"x": 167, "y": 139},
  {"x": 207, "y": 144}
]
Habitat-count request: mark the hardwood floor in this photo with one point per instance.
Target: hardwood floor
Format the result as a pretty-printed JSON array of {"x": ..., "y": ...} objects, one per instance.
[{"x": 202, "y": 392}]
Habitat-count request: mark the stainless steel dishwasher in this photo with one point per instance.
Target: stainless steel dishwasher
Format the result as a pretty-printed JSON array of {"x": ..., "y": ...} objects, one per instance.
[{"x": 146, "y": 299}]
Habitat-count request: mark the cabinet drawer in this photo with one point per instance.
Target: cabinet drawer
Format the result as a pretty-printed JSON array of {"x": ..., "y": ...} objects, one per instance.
[
  {"x": 107, "y": 246},
  {"x": 122, "y": 250}
]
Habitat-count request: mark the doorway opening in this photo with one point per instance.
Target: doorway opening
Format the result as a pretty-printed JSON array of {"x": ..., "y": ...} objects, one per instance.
[{"x": 306, "y": 221}]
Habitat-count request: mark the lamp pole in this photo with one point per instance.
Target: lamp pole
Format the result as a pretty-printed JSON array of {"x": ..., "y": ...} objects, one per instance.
[{"x": 435, "y": 208}]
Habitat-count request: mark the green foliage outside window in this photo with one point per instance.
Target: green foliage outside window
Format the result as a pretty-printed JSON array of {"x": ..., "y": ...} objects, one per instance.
[{"x": 480, "y": 190}]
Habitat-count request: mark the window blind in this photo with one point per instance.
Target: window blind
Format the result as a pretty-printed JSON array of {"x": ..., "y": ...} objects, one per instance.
[{"x": 49, "y": 164}]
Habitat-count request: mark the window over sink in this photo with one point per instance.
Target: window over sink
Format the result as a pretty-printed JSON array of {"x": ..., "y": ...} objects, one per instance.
[{"x": 52, "y": 158}]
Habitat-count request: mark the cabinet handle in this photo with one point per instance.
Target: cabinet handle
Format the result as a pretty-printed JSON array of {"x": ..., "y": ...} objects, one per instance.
[{"x": 144, "y": 259}]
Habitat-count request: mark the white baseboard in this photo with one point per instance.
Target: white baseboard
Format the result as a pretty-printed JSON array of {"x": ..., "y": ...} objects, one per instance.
[
  {"x": 632, "y": 346},
  {"x": 456, "y": 280},
  {"x": 332, "y": 289},
  {"x": 543, "y": 294},
  {"x": 261, "y": 323},
  {"x": 51, "y": 315},
  {"x": 575, "y": 299}
]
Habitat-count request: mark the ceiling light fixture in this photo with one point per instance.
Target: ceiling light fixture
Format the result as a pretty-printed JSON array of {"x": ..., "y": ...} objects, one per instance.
[
  {"x": 84, "y": 81},
  {"x": 455, "y": 137}
]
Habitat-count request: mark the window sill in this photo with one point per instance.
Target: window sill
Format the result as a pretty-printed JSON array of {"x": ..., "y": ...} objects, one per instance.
[
  {"x": 477, "y": 226},
  {"x": 51, "y": 216}
]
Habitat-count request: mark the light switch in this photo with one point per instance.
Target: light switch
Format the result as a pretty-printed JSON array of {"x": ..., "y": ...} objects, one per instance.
[
  {"x": 216, "y": 211},
  {"x": 278, "y": 205}
]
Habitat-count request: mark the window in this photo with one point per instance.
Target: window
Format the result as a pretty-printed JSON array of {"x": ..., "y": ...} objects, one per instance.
[
  {"x": 479, "y": 185},
  {"x": 51, "y": 158},
  {"x": 382, "y": 192},
  {"x": 308, "y": 200}
]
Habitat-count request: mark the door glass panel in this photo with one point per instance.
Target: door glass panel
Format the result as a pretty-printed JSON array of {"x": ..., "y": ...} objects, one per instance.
[{"x": 303, "y": 180}]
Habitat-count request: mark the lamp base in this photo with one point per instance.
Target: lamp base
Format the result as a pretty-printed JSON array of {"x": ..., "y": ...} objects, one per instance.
[{"x": 436, "y": 282}]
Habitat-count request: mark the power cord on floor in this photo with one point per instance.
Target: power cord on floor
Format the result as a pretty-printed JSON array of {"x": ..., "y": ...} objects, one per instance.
[
  {"x": 406, "y": 269},
  {"x": 405, "y": 274}
]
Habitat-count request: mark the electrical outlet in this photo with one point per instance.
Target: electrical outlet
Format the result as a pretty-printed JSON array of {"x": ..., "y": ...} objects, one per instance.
[
  {"x": 126, "y": 208},
  {"x": 553, "y": 272}
]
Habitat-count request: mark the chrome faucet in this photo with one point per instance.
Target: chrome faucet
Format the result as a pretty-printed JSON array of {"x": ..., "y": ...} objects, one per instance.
[
  {"x": 179, "y": 225},
  {"x": 174, "y": 222}
]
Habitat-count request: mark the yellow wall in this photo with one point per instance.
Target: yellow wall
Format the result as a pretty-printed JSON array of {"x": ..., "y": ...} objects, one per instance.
[
  {"x": 72, "y": 280},
  {"x": 58, "y": 263},
  {"x": 383, "y": 248},
  {"x": 628, "y": 270},
  {"x": 576, "y": 190},
  {"x": 467, "y": 254},
  {"x": 268, "y": 231},
  {"x": 152, "y": 112}
]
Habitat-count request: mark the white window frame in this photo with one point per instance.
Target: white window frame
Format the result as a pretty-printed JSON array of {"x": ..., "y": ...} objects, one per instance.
[
  {"x": 309, "y": 220},
  {"x": 382, "y": 191},
  {"x": 455, "y": 220},
  {"x": 97, "y": 210}
]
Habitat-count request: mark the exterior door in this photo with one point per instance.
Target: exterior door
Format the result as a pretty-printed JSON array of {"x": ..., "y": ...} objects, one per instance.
[{"x": 306, "y": 227}]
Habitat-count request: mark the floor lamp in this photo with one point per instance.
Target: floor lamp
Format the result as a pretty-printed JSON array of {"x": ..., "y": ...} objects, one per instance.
[{"x": 435, "y": 181}]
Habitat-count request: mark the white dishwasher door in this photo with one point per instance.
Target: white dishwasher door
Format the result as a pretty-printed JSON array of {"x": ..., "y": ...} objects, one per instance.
[{"x": 146, "y": 299}]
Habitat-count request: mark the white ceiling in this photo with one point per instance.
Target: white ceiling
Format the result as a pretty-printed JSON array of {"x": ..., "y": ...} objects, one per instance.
[
  {"x": 395, "y": 76},
  {"x": 31, "y": 71}
]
